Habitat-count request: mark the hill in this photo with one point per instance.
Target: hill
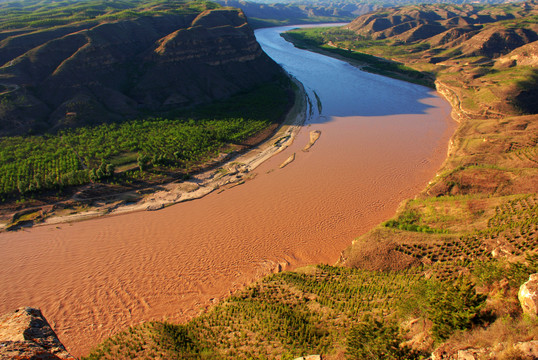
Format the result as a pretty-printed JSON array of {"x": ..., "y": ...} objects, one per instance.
[
  {"x": 384, "y": 3},
  {"x": 280, "y": 14},
  {"x": 85, "y": 63},
  {"x": 269, "y": 13},
  {"x": 468, "y": 46}
]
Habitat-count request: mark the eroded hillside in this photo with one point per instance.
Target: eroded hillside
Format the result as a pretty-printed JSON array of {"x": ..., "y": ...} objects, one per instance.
[
  {"x": 128, "y": 93},
  {"x": 113, "y": 66}
]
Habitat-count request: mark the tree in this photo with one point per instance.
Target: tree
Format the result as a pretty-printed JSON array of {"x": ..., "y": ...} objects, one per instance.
[
  {"x": 374, "y": 339},
  {"x": 453, "y": 306},
  {"x": 143, "y": 162},
  {"x": 110, "y": 168}
]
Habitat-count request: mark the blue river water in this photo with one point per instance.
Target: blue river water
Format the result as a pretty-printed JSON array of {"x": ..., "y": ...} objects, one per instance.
[{"x": 342, "y": 88}]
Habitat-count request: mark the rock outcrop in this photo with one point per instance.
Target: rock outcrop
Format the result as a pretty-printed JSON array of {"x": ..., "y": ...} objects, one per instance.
[
  {"x": 26, "y": 334},
  {"x": 528, "y": 296},
  {"x": 526, "y": 55},
  {"x": 309, "y": 357},
  {"x": 521, "y": 350},
  {"x": 528, "y": 349},
  {"x": 112, "y": 70}
]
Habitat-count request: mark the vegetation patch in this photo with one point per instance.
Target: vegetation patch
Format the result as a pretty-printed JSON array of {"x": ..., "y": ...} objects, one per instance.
[
  {"x": 410, "y": 221},
  {"x": 324, "y": 309},
  {"x": 176, "y": 143}
]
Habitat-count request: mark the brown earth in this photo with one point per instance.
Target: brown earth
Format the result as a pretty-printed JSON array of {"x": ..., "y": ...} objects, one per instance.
[{"x": 26, "y": 334}]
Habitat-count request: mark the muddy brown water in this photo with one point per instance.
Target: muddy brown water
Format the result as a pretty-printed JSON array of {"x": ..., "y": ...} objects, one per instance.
[{"x": 381, "y": 141}]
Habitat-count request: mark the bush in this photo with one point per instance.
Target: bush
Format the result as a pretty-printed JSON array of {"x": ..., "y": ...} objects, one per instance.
[{"x": 516, "y": 273}]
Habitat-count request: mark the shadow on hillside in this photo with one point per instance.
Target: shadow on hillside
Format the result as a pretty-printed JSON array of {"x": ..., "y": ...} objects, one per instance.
[
  {"x": 527, "y": 99},
  {"x": 356, "y": 93}
]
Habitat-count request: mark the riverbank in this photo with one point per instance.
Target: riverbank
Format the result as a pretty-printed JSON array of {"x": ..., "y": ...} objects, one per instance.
[
  {"x": 478, "y": 214},
  {"x": 223, "y": 172},
  {"x": 363, "y": 61},
  {"x": 469, "y": 169}
]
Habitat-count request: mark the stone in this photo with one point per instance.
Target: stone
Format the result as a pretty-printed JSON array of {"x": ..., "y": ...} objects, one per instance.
[
  {"x": 471, "y": 354},
  {"x": 446, "y": 352},
  {"x": 528, "y": 296},
  {"x": 528, "y": 349},
  {"x": 26, "y": 334}
]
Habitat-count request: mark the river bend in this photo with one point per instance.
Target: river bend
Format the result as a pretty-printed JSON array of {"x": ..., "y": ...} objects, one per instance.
[{"x": 381, "y": 141}]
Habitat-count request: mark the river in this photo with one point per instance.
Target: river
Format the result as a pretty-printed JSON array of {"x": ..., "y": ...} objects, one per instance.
[{"x": 381, "y": 141}]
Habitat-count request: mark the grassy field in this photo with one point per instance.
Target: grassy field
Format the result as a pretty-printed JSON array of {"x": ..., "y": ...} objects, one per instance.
[{"x": 31, "y": 15}]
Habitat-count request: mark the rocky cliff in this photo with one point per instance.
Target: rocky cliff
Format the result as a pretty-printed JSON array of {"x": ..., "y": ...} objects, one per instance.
[
  {"x": 26, "y": 334},
  {"x": 109, "y": 70}
]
